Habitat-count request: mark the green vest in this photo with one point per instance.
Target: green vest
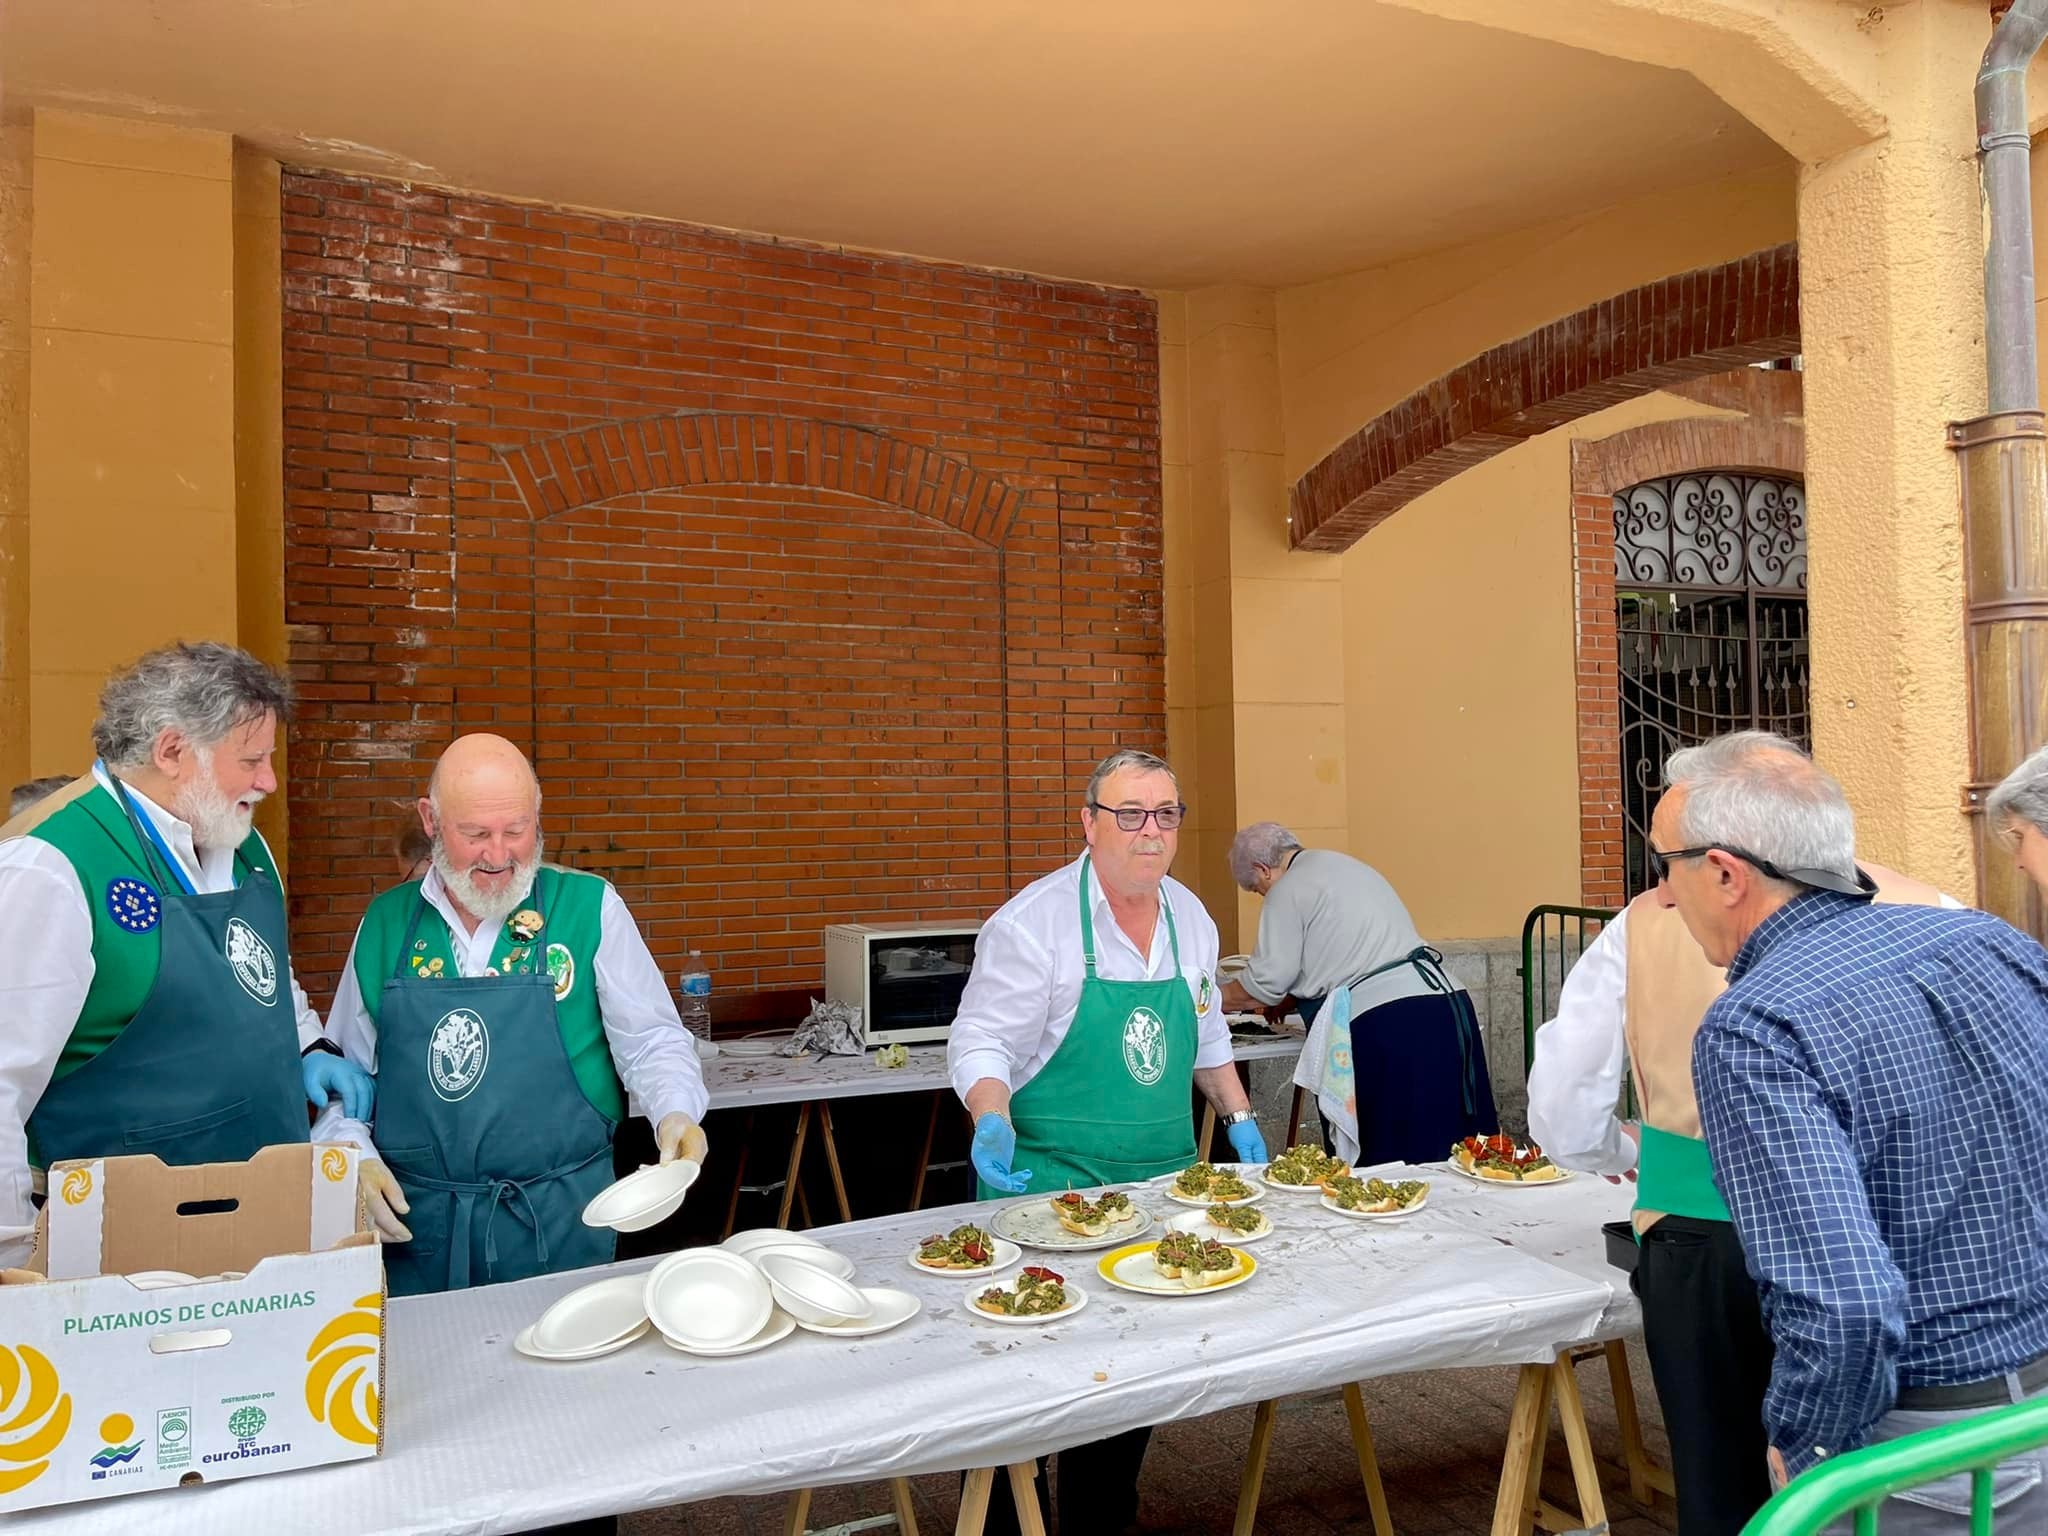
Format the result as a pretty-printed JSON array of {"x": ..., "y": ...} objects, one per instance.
[
  {"x": 96, "y": 837},
  {"x": 570, "y": 955}
]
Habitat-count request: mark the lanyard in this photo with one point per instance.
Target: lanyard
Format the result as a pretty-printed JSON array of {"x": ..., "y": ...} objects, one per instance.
[{"x": 146, "y": 825}]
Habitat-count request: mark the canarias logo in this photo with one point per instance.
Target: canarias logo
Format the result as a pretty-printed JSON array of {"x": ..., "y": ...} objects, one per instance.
[
  {"x": 116, "y": 1446},
  {"x": 36, "y": 1416},
  {"x": 341, "y": 1387},
  {"x": 334, "y": 1165},
  {"x": 77, "y": 1186}
]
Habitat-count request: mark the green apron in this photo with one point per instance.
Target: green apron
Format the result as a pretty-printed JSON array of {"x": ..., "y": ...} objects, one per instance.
[
  {"x": 207, "y": 1070},
  {"x": 480, "y": 1117},
  {"x": 1112, "y": 1106}
]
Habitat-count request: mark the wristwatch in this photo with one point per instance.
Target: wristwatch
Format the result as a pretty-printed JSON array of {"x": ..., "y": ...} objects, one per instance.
[{"x": 1238, "y": 1117}]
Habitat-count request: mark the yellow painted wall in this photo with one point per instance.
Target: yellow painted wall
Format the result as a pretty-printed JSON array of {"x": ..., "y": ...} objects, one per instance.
[
  {"x": 131, "y": 387},
  {"x": 16, "y": 165},
  {"x": 1353, "y": 346},
  {"x": 1456, "y": 676},
  {"x": 1462, "y": 754}
]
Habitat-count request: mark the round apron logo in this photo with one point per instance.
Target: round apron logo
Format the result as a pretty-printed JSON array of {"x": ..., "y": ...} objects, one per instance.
[
  {"x": 562, "y": 968},
  {"x": 457, "y": 1053},
  {"x": 255, "y": 967},
  {"x": 1145, "y": 1046}
]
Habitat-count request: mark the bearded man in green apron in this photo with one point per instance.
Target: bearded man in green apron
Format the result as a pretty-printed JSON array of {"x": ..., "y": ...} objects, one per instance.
[
  {"x": 149, "y": 998},
  {"x": 1091, "y": 1014},
  {"x": 508, "y": 1007}
]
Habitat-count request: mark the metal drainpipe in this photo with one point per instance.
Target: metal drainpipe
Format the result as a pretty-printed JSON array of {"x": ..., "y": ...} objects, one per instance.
[{"x": 2003, "y": 457}]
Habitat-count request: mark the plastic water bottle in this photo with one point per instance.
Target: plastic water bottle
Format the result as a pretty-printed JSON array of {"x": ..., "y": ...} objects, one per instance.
[{"x": 695, "y": 987}]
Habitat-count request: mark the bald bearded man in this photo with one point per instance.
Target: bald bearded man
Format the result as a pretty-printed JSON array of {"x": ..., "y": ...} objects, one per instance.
[{"x": 512, "y": 1013}]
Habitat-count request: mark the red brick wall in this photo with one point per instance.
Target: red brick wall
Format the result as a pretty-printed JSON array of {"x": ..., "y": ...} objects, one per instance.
[{"x": 814, "y": 582}]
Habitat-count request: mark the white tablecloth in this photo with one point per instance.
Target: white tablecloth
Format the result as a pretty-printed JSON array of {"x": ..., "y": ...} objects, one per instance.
[
  {"x": 739, "y": 1082},
  {"x": 481, "y": 1439}
]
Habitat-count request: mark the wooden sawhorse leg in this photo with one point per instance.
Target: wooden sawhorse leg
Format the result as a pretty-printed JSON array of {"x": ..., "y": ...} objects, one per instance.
[
  {"x": 1023, "y": 1488},
  {"x": 924, "y": 1158},
  {"x": 1521, "y": 1506},
  {"x": 796, "y": 1522},
  {"x": 1254, "y": 1474},
  {"x": 1645, "y": 1477}
]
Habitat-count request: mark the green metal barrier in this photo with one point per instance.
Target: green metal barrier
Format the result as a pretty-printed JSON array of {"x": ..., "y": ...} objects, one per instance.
[
  {"x": 1553, "y": 938},
  {"x": 1862, "y": 1480}
]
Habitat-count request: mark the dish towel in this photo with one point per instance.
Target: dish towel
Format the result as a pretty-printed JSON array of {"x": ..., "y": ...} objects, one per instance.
[{"x": 1325, "y": 1069}]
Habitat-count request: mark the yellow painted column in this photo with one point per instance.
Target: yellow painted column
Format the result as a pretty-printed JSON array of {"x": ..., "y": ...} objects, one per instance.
[
  {"x": 131, "y": 507},
  {"x": 1262, "y": 696},
  {"x": 16, "y": 159},
  {"x": 259, "y": 440},
  {"x": 1891, "y": 262}
]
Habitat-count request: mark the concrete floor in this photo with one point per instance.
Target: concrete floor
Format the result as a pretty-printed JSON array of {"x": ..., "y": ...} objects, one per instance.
[{"x": 1440, "y": 1437}]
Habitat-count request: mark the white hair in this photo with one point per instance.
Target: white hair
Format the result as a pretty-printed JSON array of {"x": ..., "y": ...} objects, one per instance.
[
  {"x": 1262, "y": 843},
  {"x": 1755, "y": 793},
  {"x": 202, "y": 691},
  {"x": 1117, "y": 762},
  {"x": 2021, "y": 796}
]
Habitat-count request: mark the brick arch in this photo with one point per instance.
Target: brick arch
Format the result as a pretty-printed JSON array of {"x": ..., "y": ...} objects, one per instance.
[
  {"x": 1649, "y": 338},
  {"x": 1601, "y": 469},
  {"x": 693, "y": 448}
]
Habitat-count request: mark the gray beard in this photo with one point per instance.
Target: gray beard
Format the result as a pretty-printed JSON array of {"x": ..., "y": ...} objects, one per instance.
[{"x": 481, "y": 905}]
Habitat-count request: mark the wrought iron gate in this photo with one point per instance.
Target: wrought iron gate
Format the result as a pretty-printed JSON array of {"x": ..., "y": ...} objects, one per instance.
[{"x": 1710, "y": 624}]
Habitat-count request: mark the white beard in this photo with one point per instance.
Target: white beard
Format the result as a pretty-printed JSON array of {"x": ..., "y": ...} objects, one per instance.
[
  {"x": 485, "y": 906},
  {"x": 216, "y": 821}
]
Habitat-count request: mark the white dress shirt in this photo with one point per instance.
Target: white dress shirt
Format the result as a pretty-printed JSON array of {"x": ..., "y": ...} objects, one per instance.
[
  {"x": 1582, "y": 1058},
  {"x": 656, "y": 1057},
  {"x": 46, "y": 915},
  {"x": 1027, "y": 976}
]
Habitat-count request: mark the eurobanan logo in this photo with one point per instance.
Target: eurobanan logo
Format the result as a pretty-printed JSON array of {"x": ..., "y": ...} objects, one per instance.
[
  {"x": 341, "y": 1382},
  {"x": 78, "y": 1186},
  {"x": 334, "y": 1165},
  {"x": 35, "y": 1415},
  {"x": 245, "y": 1424}
]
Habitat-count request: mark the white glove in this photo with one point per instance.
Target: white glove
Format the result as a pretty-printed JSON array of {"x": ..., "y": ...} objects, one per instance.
[
  {"x": 680, "y": 1136},
  {"x": 385, "y": 1202}
]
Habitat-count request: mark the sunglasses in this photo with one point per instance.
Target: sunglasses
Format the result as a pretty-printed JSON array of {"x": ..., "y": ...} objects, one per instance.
[{"x": 1819, "y": 879}]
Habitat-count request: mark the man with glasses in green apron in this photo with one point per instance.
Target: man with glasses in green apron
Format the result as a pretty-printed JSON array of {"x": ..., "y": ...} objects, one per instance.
[
  {"x": 509, "y": 1008},
  {"x": 1090, "y": 1016},
  {"x": 149, "y": 1000}
]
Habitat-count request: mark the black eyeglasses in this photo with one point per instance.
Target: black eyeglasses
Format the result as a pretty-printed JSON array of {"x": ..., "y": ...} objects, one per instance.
[
  {"x": 1132, "y": 818},
  {"x": 1819, "y": 879}
]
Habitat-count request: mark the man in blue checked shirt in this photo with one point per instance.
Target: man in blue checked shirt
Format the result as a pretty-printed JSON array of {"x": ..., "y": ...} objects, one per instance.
[{"x": 1872, "y": 1085}]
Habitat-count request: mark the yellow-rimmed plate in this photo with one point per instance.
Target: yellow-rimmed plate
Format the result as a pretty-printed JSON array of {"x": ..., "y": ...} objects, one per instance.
[{"x": 1130, "y": 1268}]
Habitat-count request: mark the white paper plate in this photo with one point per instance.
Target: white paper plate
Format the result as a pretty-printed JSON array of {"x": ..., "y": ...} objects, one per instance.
[
  {"x": 1032, "y": 1223},
  {"x": 641, "y": 1199},
  {"x": 161, "y": 1279},
  {"x": 1564, "y": 1177},
  {"x": 1136, "y": 1272},
  {"x": 707, "y": 1298},
  {"x": 1198, "y": 1222},
  {"x": 1249, "y": 1172},
  {"x": 810, "y": 1294},
  {"x": 766, "y": 1237},
  {"x": 1289, "y": 1189},
  {"x": 887, "y": 1308},
  {"x": 780, "y": 1325},
  {"x": 1006, "y": 1254},
  {"x": 592, "y": 1315},
  {"x": 524, "y": 1344},
  {"x": 1330, "y": 1204},
  {"x": 1076, "y": 1300},
  {"x": 814, "y": 1254},
  {"x": 754, "y": 1045}
]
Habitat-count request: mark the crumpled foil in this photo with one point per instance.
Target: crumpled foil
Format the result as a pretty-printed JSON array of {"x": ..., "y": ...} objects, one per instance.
[{"x": 832, "y": 1029}]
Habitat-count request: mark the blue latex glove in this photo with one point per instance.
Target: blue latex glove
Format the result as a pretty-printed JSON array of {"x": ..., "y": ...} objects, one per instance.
[
  {"x": 333, "y": 1077},
  {"x": 995, "y": 1143},
  {"x": 1246, "y": 1141}
]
